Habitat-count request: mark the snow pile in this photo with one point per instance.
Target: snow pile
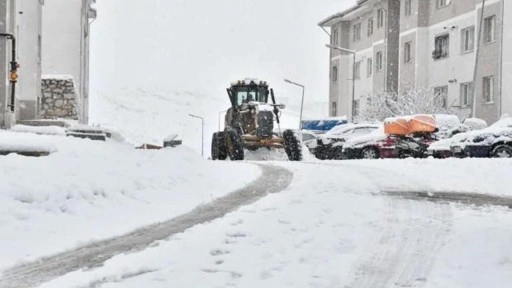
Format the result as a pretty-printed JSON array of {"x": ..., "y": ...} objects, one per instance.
[
  {"x": 43, "y": 130},
  {"x": 24, "y": 142},
  {"x": 94, "y": 190},
  {"x": 475, "y": 123}
]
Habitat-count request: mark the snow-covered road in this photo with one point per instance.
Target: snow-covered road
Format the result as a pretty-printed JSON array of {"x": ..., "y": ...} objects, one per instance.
[
  {"x": 333, "y": 224},
  {"x": 333, "y": 227},
  {"x": 273, "y": 179}
]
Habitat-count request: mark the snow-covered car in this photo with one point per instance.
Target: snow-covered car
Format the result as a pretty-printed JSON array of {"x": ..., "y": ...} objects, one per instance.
[
  {"x": 494, "y": 141},
  {"x": 442, "y": 148},
  {"x": 380, "y": 145},
  {"x": 330, "y": 145}
]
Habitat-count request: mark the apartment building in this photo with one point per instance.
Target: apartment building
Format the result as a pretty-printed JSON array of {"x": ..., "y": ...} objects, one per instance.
[
  {"x": 52, "y": 38},
  {"x": 404, "y": 44},
  {"x": 66, "y": 31},
  {"x": 21, "y": 19}
]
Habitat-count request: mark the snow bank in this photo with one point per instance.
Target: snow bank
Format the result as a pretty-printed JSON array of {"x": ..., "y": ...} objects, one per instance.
[
  {"x": 22, "y": 142},
  {"x": 44, "y": 130},
  {"x": 94, "y": 190}
]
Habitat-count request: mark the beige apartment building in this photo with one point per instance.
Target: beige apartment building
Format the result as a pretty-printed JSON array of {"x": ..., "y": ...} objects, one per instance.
[{"x": 421, "y": 44}]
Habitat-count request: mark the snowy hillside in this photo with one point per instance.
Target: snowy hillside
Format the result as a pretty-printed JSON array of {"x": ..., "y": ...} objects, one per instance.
[{"x": 142, "y": 116}]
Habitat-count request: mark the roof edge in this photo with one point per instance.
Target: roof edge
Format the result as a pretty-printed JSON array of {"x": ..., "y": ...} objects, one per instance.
[{"x": 329, "y": 21}]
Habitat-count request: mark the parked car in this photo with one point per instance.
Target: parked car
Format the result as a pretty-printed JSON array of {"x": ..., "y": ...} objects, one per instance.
[
  {"x": 494, "y": 141},
  {"x": 379, "y": 145},
  {"x": 330, "y": 145},
  {"x": 442, "y": 148}
]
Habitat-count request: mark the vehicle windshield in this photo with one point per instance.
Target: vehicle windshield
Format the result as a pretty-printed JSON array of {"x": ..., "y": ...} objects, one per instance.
[{"x": 246, "y": 94}]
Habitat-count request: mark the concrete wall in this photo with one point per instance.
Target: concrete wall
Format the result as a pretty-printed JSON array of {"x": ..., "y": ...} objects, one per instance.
[
  {"x": 29, "y": 36},
  {"x": 490, "y": 65},
  {"x": 407, "y": 77},
  {"x": 506, "y": 106},
  {"x": 458, "y": 67},
  {"x": 7, "y": 25}
]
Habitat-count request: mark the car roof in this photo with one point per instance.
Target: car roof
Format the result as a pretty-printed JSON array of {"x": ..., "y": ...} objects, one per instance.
[{"x": 343, "y": 128}]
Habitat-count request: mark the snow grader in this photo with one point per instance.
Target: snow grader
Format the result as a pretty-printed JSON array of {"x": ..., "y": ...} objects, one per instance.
[{"x": 249, "y": 124}]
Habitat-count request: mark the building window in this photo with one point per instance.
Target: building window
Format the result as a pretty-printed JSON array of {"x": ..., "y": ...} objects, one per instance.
[
  {"x": 442, "y": 47},
  {"x": 442, "y": 3},
  {"x": 334, "y": 108},
  {"x": 379, "y": 60},
  {"x": 357, "y": 32},
  {"x": 380, "y": 18},
  {"x": 466, "y": 94},
  {"x": 334, "y": 74},
  {"x": 408, "y": 7},
  {"x": 488, "y": 87},
  {"x": 489, "y": 29},
  {"x": 407, "y": 52},
  {"x": 442, "y": 93},
  {"x": 355, "y": 109},
  {"x": 468, "y": 39},
  {"x": 369, "y": 68},
  {"x": 357, "y": 70},
  {"x": 334, "y": 37},
  {"x": 370, "y": 26}
]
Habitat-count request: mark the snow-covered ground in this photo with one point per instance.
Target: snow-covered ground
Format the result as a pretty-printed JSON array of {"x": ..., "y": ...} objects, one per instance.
[
  {"x": 335, "y": 227},
  {"x": 87, "y": 190}
]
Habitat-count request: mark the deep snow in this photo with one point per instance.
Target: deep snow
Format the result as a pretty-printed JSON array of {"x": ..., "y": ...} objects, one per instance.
[
  {"x": 93, "y": 190},
  {"x": 333, "y": 227}
]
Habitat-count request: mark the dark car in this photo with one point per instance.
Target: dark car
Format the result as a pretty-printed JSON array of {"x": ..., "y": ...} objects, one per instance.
[
  {"x": 494, "y": 141},
  {"x": 380, "y": 145},
  {"x": 330, "y": 145}
]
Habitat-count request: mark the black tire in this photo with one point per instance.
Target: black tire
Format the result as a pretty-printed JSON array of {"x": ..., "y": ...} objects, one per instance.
[
  {"x": 320, "y": 153},
  {"x": 369, "y": 153},
  {"x": 219, "y": 151},
  {"x": 292, "y": 146},
  {"x": 338, "y": 154},
  {"x": 234, "y": 145},
  {"x": 502, "y": 151}
]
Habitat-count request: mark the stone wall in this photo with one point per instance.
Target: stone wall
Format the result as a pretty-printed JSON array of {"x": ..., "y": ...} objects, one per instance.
[{"x": 59, "y": 98}]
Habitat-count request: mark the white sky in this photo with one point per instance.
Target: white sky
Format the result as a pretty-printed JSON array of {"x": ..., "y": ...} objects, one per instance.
[{"x": 203, "y": 45}]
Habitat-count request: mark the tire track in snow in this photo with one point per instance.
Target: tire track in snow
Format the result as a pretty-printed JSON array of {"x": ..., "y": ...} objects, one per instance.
[
  {"x": 404, "y": 254},
  {"x": 273, "y": 179}
]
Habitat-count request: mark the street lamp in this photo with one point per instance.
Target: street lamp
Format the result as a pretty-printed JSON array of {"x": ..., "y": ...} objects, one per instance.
[
  {"x": 353, "y": 72},
  {"x": 301, "y": 106},
  {"x": 219, "y": 118},
  {"x": 202, "y": 131}
]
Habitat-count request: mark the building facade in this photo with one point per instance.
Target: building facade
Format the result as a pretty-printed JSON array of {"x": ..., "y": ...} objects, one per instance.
[
  {"x": 66, "y": 45},
  {"x": 402, "y": 44},
  {"x": 52, "y": 37}
]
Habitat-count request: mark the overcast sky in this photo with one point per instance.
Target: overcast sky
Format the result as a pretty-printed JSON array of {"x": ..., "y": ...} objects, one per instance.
[{"x": 202, "y": 45}]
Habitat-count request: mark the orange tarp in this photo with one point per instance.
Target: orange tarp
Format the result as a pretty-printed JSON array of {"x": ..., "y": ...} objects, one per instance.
[
  {"x": 406, "y": 126},
  {"x": 396, "y": 127}
]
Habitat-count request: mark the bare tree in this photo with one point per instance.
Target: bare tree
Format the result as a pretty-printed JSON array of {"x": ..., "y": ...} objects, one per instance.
[{"x": 409, "y": 102}]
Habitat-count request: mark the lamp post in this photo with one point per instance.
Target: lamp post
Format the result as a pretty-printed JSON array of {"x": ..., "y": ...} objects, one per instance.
[
  {"x": 202, "y": 131},
  {"x": 220, "y": 118},
  {"x": 301, "y": 106},
  {"x": 353, "y": 72}
]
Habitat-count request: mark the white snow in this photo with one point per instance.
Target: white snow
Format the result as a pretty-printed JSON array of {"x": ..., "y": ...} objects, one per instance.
[
  {"x": 45, "y": 130},
  {"x": 23, "y": 142},
  {"x": 332, "y": 226},
  {"x": 94, "y": 190}
]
